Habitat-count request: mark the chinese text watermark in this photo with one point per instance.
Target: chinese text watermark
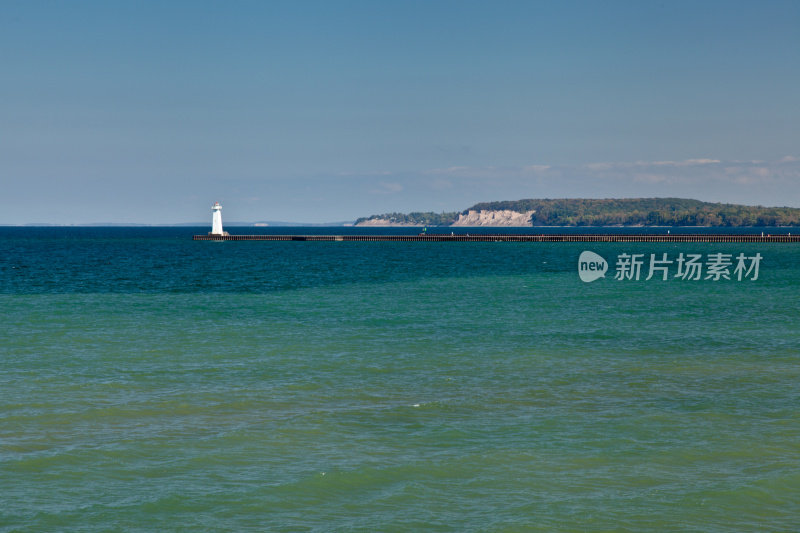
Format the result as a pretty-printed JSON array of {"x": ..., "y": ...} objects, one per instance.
[{"x": 689, "y": 267}]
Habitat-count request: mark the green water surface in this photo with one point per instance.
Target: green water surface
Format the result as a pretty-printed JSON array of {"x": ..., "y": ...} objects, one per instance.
[{"x": 165, "y": 385}]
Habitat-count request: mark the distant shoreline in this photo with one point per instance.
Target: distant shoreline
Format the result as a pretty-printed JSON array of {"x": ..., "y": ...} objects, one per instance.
[
  {"x": 405, "y": 226},
  {"x": 591, "y": 212}
]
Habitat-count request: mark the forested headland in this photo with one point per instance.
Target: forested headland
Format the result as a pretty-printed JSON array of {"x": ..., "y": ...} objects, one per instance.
[{"x": 609, "y": 212}]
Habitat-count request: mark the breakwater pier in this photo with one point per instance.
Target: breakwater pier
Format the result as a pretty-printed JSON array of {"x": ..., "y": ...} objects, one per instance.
[{"x": 587, "y": 237}]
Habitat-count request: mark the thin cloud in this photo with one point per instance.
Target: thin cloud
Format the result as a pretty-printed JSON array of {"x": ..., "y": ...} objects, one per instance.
[
  {"x": 388, "y": 188},
  {"x": 489, "y": 171},
  {"x": 440, "y": 184},
  {"x": 347, "y": 174},
  {"x": 608, "y": 165},
  {"x": 449, "y": 171},
  {"x": 645, "y": 177},
  {"x": 537, "y": 169},
  {"x": 711, "y": 178},
  {"x": 685, "y": 163}
]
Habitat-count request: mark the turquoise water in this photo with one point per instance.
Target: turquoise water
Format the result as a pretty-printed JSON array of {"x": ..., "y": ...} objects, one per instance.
[{"x": 149, "y": 382}]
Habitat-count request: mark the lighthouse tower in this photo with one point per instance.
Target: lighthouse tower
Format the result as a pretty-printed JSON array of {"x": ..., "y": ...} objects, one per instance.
[{"x": 216, "y": 220}]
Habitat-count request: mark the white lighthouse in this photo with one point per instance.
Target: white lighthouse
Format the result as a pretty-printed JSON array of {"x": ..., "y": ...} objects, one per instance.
[{"x": 216, "y": 220}]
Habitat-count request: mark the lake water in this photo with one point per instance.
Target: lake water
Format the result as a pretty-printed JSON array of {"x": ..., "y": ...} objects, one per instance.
[{"x": 149, "y": 382}]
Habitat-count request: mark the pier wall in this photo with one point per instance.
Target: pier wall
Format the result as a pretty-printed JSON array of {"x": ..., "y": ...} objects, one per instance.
[{"x": 511, "y": 238}]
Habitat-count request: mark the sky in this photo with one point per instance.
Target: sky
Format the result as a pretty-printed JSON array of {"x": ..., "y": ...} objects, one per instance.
[{"x": 321, "y": 111}]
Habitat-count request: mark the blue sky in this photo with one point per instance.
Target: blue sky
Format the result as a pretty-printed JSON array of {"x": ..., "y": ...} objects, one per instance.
[{"x": 325, "y": 111}]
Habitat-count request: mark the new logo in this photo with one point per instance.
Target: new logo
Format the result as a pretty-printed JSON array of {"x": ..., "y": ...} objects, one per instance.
[{"x": 591, "y": 266}]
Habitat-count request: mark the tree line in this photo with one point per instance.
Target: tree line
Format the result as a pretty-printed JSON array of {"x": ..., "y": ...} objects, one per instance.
[{"x": 617, "y": 212}]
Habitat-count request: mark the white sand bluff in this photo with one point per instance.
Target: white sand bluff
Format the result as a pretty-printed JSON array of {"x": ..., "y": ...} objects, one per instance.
[
  {"x": 499, "y": 217},
  {"x": 216, "y": 220}
]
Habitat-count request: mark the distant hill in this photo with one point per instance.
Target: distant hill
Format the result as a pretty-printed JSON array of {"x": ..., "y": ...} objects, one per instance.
[{"x": 597, "y": 212}]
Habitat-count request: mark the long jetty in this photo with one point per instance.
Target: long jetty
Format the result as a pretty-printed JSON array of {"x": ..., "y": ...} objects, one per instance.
[{"x": 669, "y": 237}]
